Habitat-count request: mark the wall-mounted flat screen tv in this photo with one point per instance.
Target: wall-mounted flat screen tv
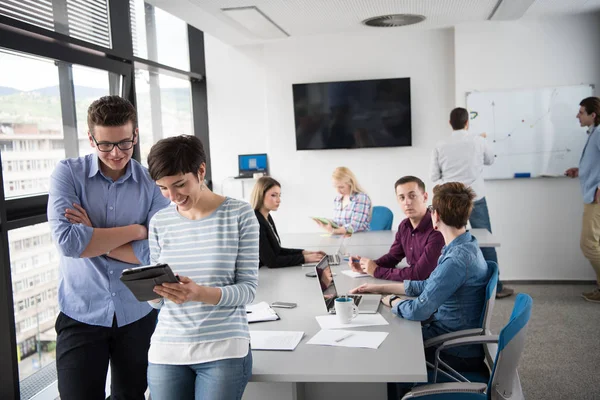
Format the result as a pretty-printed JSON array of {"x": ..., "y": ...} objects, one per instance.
[{"x": 352, "y": 114}]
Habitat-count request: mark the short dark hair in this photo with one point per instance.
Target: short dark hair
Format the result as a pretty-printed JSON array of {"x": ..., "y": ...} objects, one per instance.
[
  {"x": 410, "y": 179},
  {"x": 176, "y": 155},
  {"x": 111, "y": 111},
  {"x": 592, "y": 105},
  {"x": 453, "y": 201},
  {"x": 459, "y": 118}
]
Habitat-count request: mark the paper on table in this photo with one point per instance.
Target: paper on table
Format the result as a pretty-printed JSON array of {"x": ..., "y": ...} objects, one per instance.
[
  {"x": 275, "y": 340},
  {"x": 261, "y": 312},
  {"x": 332, "y": 321},
  {"x": 353, "y": 274},
  {"x": 369, "y": 340}
]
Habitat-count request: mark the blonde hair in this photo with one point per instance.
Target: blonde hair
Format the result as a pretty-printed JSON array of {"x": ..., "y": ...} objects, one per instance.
[
  {"x": 343, "y": 174},
  {"x": 262, "y": 186}
]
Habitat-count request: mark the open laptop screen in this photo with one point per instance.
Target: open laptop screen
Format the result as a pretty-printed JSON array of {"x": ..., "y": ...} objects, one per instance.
[
  {"x": 250, "y": 163},
  {"x": 326, "y": 282}
]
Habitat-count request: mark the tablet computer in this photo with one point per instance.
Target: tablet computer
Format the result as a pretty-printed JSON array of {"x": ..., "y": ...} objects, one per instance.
[{"x": 141, "y": 280}]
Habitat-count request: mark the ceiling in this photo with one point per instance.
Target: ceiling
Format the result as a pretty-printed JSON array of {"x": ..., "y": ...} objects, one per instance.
[{"x": 320, "y": 17}]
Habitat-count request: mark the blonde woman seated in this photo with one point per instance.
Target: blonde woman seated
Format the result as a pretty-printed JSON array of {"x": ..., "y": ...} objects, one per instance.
[
  {"x": 266, "y": 197},
  {"x": 352, "y": 206}
]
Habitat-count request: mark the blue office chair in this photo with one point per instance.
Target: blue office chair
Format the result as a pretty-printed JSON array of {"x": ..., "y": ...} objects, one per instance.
[
  {"x": 485, "y": 323},
  {"x": 504, "y": 381},
  {"x": 381, "y": 219}
]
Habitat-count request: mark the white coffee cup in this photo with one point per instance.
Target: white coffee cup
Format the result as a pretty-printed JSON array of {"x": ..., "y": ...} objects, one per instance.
[{"x": 345, "y": 309}]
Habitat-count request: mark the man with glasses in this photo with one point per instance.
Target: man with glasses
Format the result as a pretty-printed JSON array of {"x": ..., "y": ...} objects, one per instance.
[
  {"x": 416, "y": 239},
  {"x": 99, "y": 207}
]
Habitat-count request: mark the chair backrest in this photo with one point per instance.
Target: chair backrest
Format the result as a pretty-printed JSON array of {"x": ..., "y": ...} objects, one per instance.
[
  {"x": 382, "y": 219},
  {"x": 504, "y": 381},
  {"x": 490, "y": 298}
]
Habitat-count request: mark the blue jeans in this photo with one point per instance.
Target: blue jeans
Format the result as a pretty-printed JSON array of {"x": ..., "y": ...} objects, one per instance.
[
  {"x": 480, "y": 219},
  {"x": 216, "y": 380}
]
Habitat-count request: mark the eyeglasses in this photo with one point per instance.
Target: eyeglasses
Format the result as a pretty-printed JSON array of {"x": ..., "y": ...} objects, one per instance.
[
  {"x": 430, "y": 209},
  {"x": 109, "y": 146}
]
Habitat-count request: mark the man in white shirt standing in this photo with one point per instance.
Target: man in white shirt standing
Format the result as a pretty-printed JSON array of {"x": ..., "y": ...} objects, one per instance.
[{"x": 461, "y": 159}]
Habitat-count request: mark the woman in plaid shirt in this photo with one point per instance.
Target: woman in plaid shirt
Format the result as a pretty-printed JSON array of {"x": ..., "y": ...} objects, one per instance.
[{"x": 352, "y": 206}]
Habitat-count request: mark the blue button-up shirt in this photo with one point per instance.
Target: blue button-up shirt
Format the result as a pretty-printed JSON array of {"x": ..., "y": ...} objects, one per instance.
[
  {"x": 453, "y": 295},
  {"x": 589, "y": 166},
  {"x": 89, "y": 289}
]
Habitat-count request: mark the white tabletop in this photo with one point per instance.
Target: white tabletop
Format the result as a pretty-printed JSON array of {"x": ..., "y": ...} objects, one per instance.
[
  {"x": 374, "y": 239},
  {"x": 400, "y": 358}
]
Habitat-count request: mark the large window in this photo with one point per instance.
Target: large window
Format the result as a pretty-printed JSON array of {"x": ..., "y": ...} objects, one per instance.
[
  {"x": 159, "y": 36},
  {"x": 56, "y": 58},
  {"x": 164, "y": 106},
  {"x": 31, "y": 133},
  {"x": 34, "y": 273},
  {"x": 89, "y": 85}
]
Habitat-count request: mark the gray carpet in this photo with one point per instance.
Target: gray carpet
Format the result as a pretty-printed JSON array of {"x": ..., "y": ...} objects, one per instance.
[{"x": 562, "y": 354}]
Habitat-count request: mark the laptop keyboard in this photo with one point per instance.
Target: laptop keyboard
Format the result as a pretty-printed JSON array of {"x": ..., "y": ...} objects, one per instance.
[{"x": 334, "y": 259}]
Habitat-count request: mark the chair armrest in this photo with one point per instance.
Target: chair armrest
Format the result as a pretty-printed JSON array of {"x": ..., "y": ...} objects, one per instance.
[
  {"x": 444, "y": 388},
  {"x": 480, "y": 339},
  {"x": 465, "y": 341},
  {"x": 453, "y": 335}
]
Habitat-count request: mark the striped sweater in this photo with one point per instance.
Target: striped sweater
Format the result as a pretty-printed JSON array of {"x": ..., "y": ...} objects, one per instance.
[{"x": 221, "y": 251}]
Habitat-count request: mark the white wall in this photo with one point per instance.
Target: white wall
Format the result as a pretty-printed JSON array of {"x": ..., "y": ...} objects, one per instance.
[
  {"x": 250, "y": 110},
  {"x": 306, "y": 175},
  {"x": 538, "y": 221},
  {"x": 236, "y": 107}
]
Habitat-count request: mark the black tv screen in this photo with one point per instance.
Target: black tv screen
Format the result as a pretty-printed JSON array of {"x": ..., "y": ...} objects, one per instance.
[{"x": 352, "y": 114}]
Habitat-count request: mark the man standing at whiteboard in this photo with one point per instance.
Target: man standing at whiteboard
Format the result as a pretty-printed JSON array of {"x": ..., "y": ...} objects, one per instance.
[
  {"x": 461, "y": 159},
  {"x": 589, "y": 176}
]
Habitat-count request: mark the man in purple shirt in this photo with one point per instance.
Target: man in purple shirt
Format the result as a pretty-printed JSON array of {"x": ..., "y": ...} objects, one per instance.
[{"x": 417, "y": 240}]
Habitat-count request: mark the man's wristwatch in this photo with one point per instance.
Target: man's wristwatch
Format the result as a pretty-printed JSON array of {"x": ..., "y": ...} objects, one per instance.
[{"x": 392, "y": 298}]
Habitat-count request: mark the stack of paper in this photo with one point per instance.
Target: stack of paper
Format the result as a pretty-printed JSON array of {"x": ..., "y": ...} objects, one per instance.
[
  {"x": 338, "y": 337},
  {"x": 275, "y": 340},
  {"x": 333, "y": 321},
  {"x": 261, "y": 312},
  {"x": 353, "y": 274}
]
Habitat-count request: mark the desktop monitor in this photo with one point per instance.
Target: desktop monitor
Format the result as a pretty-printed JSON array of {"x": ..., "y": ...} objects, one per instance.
[{"x": 251, "y": 163}]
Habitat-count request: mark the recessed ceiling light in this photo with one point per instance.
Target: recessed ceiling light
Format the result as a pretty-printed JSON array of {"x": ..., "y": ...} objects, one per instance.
[
  {"x": 393, "y": 20},
  {"x": 255, "y": 21}
]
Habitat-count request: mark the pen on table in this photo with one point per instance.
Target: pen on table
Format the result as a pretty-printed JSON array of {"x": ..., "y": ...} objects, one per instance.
[
  {"x": 344, "y": 337},
  {"x": 248, "y": 312}
]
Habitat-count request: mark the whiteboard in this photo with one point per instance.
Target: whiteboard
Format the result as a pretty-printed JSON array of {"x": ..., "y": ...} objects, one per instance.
[{"x": 532, "y": 132}]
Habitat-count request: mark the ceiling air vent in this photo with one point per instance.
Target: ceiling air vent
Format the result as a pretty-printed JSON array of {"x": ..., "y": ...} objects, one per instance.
[{"x": 392, "y": 20}]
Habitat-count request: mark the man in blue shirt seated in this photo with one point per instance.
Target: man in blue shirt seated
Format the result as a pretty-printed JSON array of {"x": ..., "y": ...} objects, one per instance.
[
  {"x": 99, "y": 207},
  {"x": 453, "y": 296}
]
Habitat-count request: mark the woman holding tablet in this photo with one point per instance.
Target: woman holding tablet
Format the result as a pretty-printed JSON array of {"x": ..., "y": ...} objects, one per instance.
[
  {"x": 201, "y": 346},
  {"x": 266, "y": 197},
  {"x": 352, "y": 206}
]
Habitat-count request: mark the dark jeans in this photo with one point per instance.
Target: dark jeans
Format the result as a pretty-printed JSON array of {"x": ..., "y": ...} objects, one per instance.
[
  {"x": 480, "y": 219},
  {"x": 83, "y": 352}
]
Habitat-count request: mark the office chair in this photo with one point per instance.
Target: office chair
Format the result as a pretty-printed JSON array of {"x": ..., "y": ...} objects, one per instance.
[
  {"x": 504, "y": 380},
  {"x": 381, "y": 219},
  {"x": 485, "y": 323}
]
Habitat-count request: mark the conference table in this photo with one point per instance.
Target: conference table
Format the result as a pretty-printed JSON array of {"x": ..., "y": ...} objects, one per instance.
[
  {"x": 366, "y": 244},
  {"x": 313, "y": 372}
]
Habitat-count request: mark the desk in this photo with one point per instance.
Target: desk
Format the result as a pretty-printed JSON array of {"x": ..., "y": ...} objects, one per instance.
[{"x": 400, "y": 358}]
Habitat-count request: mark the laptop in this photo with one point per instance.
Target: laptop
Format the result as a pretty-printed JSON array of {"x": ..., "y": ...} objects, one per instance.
[
  {"x": 366, "y": 303},
  {"x": 249, "y": 164},
  {"x": 336, "y": 259}
]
